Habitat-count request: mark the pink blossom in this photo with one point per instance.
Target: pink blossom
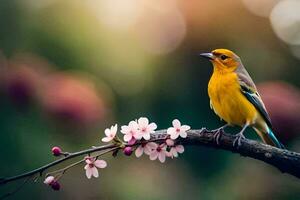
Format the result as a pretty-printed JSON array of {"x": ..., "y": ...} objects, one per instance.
[
  {"x": 159, "y": 152},
  {"x": 91, "y": 166},
  {"x": 110, "y": 133},
  {"x": 175, "y": 150},
  {"x": 146, "y": 148},
  {"x": 131, "y": 131},
  {"x": 178, "y": 130},
  {"x": 145, "y": 128}
]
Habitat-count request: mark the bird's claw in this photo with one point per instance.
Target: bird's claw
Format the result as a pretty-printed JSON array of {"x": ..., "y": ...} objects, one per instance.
[
  {"x": 217, "y": 134},
  {"x": 238, "y": 138}
]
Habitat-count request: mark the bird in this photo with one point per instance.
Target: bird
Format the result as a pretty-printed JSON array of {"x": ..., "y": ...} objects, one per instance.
[{"x": 235, "y": 99}]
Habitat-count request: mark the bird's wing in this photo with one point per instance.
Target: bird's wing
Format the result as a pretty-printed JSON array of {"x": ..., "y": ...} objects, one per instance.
[{"x": 248, "y": 89}]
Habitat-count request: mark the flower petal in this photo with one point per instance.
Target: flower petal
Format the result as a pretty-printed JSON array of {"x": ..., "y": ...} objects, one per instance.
[
  {"x": 95, "y": 172},
  {"x": 170, "y": 142},
  {"x": 179, "y": 148},
  {"x": 100, "y": 163},
  {"x": 185, "y": 128},
  {"x": 106, "y": 139},
  {"x": 176, "y": 123},
  {"x": 146, "y": 136},
  {"x": 133, "y": 125},
  {"x": 114, "y": 129},
  {"x": 125, "y": 129},
  {"x": 151, "y": 145},
  {"x": 152, "y": 126},
  {"x": 139, "y": 151},
  {"x": 49, "y": 180},
  {"x": 107, "y": 132},
  {"x": 143, "y": 122},
  {"x": 183, "y": 134},
  {"x": 174, "y": 152},
  {"x": 127, "y": 137},
  {"x": 88, "y": 172},
  {"x": 174, "y": 136},
  {"x": 162, "y": 156},
  {"x": 169, "y": 154},
  {"x": 171, "y": 130},
  {"x": 153, "y": 155},
  {"x": 137, "y": 135}
]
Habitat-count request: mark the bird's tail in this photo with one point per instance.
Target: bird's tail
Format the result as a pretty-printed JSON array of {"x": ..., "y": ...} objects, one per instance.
[{"x": 269, "y": 138}]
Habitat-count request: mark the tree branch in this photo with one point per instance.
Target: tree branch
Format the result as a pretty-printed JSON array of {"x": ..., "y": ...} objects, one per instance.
[{"x": 286, "y": 161}]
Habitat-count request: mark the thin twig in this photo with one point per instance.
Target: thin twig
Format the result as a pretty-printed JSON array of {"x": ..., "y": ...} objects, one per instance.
[
  {"x": 40, "y": 170},
  {"x": 64, "y": 170},
  {"x": 17, "y": 189}
]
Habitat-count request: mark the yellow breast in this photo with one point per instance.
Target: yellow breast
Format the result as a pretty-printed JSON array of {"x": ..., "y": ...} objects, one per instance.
[{"x": 227, "y": 100}]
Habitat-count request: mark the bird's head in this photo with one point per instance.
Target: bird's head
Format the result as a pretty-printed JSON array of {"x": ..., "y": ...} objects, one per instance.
[{"x": 223, "y": 59}]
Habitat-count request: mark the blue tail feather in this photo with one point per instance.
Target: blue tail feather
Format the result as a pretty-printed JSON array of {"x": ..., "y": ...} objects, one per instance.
[{"x": 274, "y": 139}]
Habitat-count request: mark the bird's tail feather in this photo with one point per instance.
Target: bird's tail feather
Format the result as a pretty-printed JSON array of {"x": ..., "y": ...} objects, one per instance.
[{"x": 270, "y": 138}]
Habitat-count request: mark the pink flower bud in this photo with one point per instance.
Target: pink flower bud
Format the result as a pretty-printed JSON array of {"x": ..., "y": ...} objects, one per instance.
[
  {"x": 49, "y": 180},
  {"x": 56, "y": 151},
  {"x": 127, "y": 151},
  {"x": 55, "y": 185},
  {"x": 132, "y": 141}
]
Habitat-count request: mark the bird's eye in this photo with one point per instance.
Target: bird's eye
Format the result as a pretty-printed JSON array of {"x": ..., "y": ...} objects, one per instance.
[{"x": 223, "y": 57}]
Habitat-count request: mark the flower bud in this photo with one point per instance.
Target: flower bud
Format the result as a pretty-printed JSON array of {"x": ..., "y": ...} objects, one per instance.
[
  {"x": 56, "y": 151},
  {"x": 49, "y": 180},
  {"x": 132, "y": 141},
  {"x": 55, "y": 185},
  {"x": 127, "y": 151}
]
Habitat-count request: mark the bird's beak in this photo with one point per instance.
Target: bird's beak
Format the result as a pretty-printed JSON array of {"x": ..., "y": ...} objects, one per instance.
[{"x": 210, "y": 56}]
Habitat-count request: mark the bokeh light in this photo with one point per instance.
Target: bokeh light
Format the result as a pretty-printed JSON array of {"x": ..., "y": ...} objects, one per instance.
[
  {"x": 116, "y": 14},
  {"x": 73, "y": 99},
  {"x": 285, "y": 19},
  {"x": 259, "y": 7}
]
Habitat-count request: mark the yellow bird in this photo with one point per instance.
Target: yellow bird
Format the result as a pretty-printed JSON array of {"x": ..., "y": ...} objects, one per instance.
[{"x": 234, "y": 97}]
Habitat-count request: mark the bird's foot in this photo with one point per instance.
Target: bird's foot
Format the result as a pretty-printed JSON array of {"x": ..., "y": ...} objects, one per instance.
[
  {"x": 238, "y": 138},
  {"x": 217, "y": 134}
]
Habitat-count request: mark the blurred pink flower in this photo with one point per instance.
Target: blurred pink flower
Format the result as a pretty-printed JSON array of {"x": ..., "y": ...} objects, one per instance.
[
  {"x": 110, "y": 133},
  {"x": 145, "y": 128},
  {"x": 131, "y": 131},
  {"x": 72, "y": 98},
  {"x": 91, "y": 166},
  {"x": 20, "y": 84},
  {"x": 22, "y": 77},
  {"x": 178, "y": 130},
  {"x": 282, "y": 101},
  {"x": 159, "y": 152},
  {"x": 146, "y": 148}
]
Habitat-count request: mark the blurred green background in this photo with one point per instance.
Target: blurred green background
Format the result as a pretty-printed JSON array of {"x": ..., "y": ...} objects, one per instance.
[{"x": 69, "y": 69}]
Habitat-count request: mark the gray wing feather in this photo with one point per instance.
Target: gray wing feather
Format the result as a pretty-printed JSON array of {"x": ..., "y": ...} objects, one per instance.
[{"x": 248, "y": 88}]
